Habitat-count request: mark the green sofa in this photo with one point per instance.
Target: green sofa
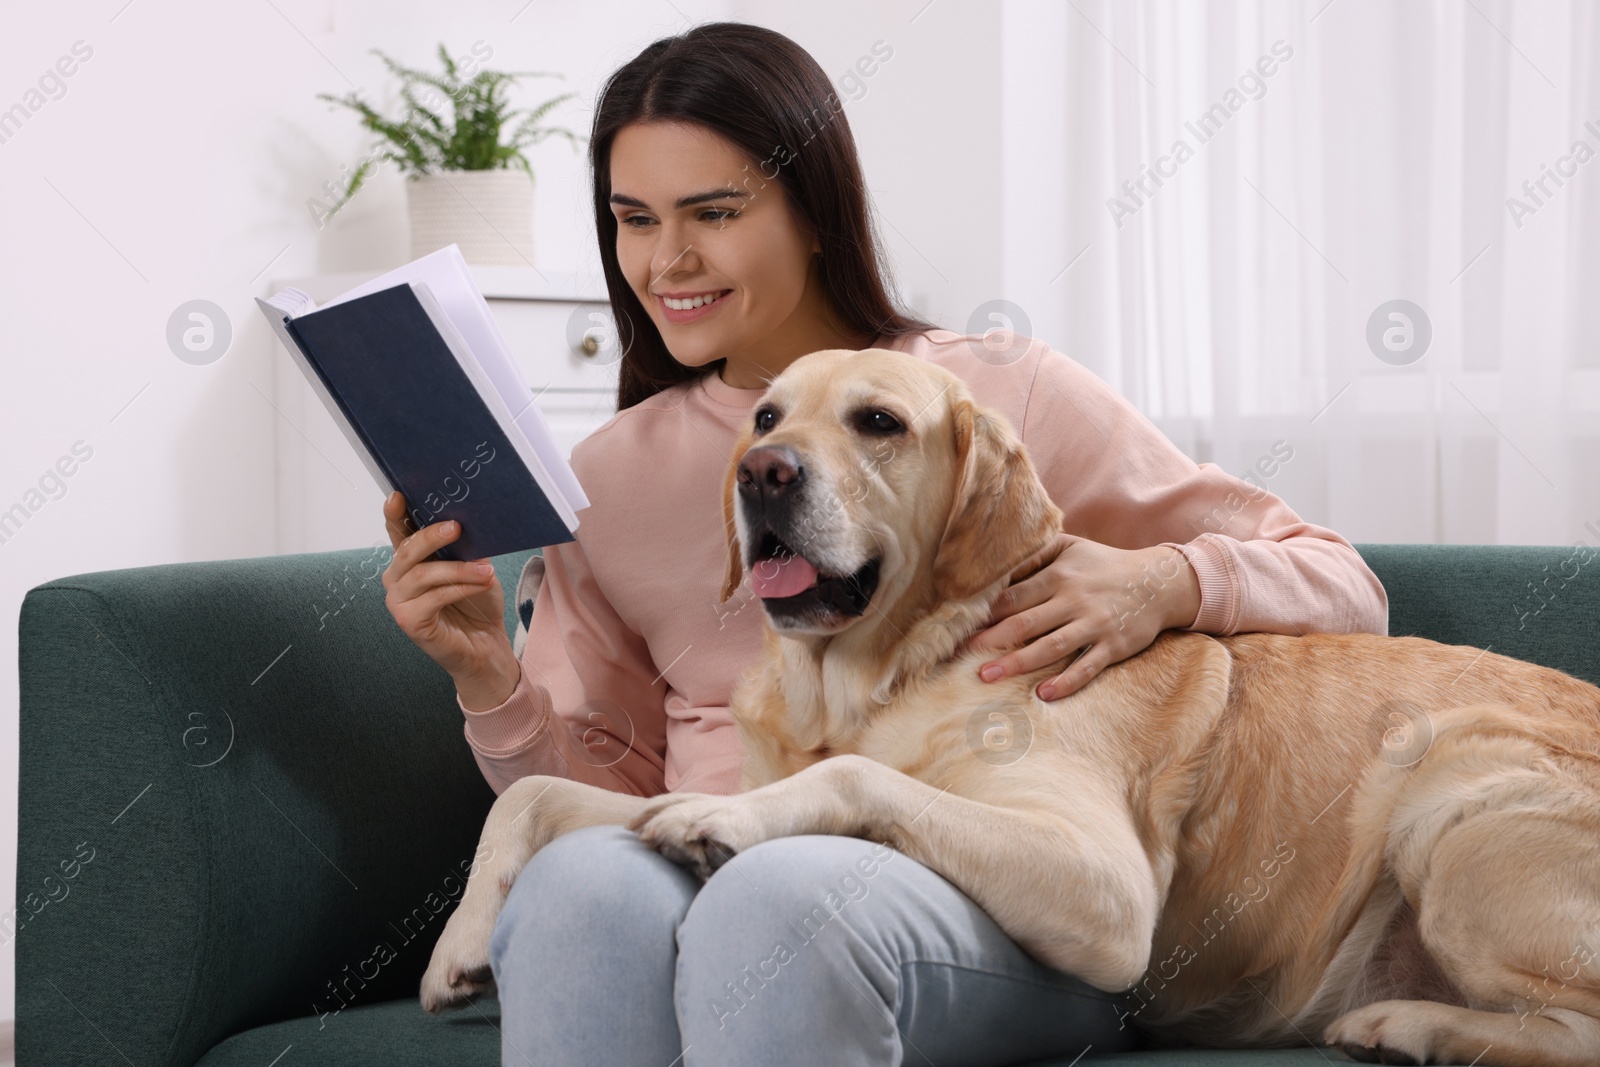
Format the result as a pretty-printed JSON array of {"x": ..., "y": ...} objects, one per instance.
[{"x": 246, "y": 803}]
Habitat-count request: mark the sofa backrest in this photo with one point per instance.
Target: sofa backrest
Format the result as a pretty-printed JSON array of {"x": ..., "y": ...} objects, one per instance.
[{"x": 1531, "y": 602}]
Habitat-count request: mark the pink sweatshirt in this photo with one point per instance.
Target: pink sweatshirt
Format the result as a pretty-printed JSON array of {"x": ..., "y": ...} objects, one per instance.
[{"x": 630, "y": 660}]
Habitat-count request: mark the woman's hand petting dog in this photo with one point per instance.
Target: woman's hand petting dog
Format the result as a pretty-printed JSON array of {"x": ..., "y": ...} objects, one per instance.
[{"x": 1080, "y": 594}]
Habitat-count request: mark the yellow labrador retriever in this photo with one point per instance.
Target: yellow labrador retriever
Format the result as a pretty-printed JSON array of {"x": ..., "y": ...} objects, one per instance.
[{"x": 1384, "y": 844}]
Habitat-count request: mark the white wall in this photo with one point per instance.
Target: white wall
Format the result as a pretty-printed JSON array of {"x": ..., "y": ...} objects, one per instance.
[{"x": 177, "y": 164}]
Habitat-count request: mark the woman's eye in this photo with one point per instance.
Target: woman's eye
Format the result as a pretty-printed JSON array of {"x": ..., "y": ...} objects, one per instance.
[
  {"x": 710, "y": 215},
  {"x": 880, "y": 422},
  {"x": 720, "y": 214}
]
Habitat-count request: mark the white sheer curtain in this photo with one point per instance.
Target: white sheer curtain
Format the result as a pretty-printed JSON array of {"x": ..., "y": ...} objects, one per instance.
[{"x": 1367, "y": 153}]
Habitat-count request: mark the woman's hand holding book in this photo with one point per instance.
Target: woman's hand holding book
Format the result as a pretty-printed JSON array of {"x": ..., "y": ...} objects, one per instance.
[{"x": 453, "y": 611}]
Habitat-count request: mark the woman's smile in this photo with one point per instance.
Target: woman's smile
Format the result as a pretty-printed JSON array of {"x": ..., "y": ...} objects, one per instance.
[{"x": 685, "y": 306}]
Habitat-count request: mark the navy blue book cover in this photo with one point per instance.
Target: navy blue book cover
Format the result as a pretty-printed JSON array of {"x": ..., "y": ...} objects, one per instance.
[{"x": 425, "y": 426}]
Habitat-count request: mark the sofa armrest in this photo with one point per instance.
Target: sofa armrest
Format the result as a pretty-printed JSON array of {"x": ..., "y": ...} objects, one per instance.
[{"x": 244, "y": 796}]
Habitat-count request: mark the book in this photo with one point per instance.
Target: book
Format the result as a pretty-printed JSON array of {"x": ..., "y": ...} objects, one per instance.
[{"x": 415, "y": 371}]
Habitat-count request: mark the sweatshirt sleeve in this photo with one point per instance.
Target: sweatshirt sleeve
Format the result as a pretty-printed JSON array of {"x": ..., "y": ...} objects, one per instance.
[
  {"x": 589, "y": 704},
  {"x": 1120, "y": 481}
]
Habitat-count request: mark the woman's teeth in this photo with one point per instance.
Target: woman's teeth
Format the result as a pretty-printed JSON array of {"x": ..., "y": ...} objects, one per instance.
[{"x": 693, "y": 302}]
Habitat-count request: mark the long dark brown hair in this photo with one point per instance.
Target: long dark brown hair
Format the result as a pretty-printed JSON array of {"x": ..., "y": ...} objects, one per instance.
[{"x": 766, "y": 95}]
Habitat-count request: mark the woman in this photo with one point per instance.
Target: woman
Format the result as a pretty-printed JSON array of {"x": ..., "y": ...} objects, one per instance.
[{"x": 735, "y": 238}]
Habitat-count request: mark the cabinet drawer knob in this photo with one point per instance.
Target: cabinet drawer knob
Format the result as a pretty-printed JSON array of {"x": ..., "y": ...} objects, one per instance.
[{"x": 592, "y": 335}]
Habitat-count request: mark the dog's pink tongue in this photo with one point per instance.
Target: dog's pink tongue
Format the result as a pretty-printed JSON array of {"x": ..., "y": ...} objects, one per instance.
[{"x": 782, "y": 576}]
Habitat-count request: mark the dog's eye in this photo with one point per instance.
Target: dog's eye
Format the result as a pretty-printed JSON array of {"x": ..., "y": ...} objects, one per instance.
[
  {"x": 766, "y": 419},
  {"x": 878, "y": 421}
]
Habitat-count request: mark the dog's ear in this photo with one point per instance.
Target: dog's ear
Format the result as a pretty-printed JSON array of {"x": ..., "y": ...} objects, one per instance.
[
  {"x": 999, "y": 513},
  {"x": 735, "y": 568}
]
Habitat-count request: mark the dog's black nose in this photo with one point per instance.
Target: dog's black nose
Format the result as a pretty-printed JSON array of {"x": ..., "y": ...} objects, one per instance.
[{"x": 769, "y": 471}]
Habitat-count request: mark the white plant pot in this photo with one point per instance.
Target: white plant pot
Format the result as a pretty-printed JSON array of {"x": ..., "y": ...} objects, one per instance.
[{"x": 489, "y": 213}]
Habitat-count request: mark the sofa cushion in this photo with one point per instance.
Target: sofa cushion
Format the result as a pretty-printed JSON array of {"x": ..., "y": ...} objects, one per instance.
[
  {"x": 399, "y": 1031},
  {"x": 383, "y": 1034}
]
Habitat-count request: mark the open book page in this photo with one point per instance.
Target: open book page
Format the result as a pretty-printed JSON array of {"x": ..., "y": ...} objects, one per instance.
[
  {"x": 448, "y": 278},
  {"x": 291, "y": 301}
]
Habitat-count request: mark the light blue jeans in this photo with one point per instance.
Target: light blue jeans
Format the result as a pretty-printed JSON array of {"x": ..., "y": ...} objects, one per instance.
[{"x": 801, "y": 950}]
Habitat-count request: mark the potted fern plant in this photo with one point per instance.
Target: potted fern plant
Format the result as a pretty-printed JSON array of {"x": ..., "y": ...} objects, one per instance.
[{"x": 468, "y": 181}]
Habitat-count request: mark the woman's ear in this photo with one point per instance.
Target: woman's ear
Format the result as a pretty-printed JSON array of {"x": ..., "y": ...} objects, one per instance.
[
  {"x": 1000, "y": 513},
  {"x": 735, "y": 568}
]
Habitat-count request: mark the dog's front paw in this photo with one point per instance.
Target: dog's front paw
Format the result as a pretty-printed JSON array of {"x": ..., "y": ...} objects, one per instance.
[
  {"x": 459, "y": 970},
  {"x": 698, "y": 830},
  {"x": 1388, "y": 1031}
]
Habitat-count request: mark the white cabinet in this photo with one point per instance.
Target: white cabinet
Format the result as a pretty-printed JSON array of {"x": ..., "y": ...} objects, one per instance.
[{"x": 557, "y": 327}]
